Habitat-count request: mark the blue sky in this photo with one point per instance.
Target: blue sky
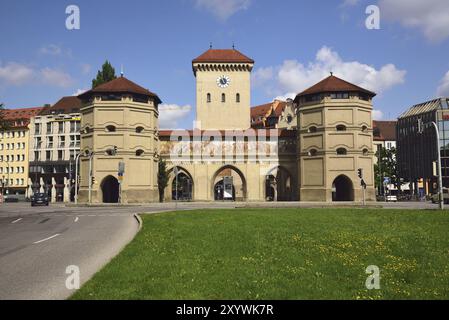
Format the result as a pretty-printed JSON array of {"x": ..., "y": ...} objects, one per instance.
[{"x": 294, "y": 43}]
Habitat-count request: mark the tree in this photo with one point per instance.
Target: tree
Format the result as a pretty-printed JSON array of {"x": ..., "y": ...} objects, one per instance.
[
  {"x": 386, "y": 166},
  {"x": 4, "y": 124},
  {"x": 162, "y": 178},
  {"x": 106, "y": 74}
]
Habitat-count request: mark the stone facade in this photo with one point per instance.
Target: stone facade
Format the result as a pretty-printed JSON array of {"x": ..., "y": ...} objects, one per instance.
[{"x": 119, "y": 125}]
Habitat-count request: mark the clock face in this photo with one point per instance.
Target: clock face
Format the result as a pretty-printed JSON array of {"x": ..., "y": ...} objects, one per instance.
[{"x": 223, "y": 81}]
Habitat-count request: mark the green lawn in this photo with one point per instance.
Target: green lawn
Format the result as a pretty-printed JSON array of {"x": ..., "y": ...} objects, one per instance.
[{"x": 280, "y": 254}]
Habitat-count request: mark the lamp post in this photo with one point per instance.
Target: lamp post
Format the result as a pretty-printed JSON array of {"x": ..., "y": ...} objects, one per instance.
[{"x": 421, "y": 127}]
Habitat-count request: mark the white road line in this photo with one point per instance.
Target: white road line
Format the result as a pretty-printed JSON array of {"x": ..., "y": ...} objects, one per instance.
[
  {"x": 16, "y": 220},
  {"x": 76, "y": 219},
  {"x": 55, "y": 235}
]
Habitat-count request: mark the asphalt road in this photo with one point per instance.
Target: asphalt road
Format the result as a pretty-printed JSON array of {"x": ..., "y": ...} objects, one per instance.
[{"x": 38, "y": 244}]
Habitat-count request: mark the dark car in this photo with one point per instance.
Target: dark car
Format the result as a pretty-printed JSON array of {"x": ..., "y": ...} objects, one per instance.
[{"x": 39, "y": 199}]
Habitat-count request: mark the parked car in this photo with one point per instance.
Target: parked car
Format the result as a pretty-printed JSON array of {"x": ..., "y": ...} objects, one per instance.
[
  {"x": 39, "y": 199},
  {"x": 434, "y": 198},
  {"x": 391, "y": 198}
]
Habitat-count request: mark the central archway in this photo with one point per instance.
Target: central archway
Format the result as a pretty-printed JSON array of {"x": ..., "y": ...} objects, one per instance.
[
  {"x": 236, "y": 191},
  {"x": 342, "y": 189},
  {"x": 110, "y": 189}
]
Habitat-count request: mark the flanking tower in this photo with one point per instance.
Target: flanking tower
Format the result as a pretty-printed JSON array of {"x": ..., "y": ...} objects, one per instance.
[
  {"x": 335, "y": 140},
  {"x": 119, "y": 142},
  {"x": 223, "y": 89}
]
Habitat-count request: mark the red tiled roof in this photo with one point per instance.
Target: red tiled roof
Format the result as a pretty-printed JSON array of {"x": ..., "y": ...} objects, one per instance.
[
  {"x": 386, "y": 130},
  {"x": 22, "y": 114},
  {"x": 223, "y": 55},
  {"x": 261, "y": 110},
  {"x": 65, "y": 105},
  {"x": 334, "y": 84},
  {"x": 119, "y": 85}
]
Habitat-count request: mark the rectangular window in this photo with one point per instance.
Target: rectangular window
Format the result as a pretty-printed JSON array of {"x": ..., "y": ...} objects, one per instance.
[
  {"x": 61, "y": 127},
  {"x": 37, "y": 128},
  {"x": 60, "y": 155},
  {"x": 49, "y": 128},
  {"x": 48, "y": 155},
  {"x": 36, "y": 155}
]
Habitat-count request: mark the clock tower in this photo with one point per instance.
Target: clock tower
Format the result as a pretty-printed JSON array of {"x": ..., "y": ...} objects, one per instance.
[{"x": 223, "y": 90}]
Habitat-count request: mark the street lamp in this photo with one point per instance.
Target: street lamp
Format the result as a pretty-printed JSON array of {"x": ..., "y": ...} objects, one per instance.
[{"x": 421, "y": 127}]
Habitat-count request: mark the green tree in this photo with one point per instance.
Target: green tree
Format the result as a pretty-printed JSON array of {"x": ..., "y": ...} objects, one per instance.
[
  {"x": 106, "y": 74},
  {"x": 162, "y": 178},
  {"x": 386, "y": 166},
  {"x": 4, "y": 124}
]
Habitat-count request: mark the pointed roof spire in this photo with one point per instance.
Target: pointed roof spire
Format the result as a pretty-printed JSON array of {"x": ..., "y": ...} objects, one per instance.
[{"x": 121, "y": 70}]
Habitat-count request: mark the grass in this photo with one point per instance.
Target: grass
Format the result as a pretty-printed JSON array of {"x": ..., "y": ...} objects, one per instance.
[{"x": 280, "y": 254}]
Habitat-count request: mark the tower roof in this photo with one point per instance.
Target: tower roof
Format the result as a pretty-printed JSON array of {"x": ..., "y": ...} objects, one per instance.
[
  {"x": 223, "y": 55},
  {"x": 119, "y": 85},
  {"x": 334, "y": 84}
]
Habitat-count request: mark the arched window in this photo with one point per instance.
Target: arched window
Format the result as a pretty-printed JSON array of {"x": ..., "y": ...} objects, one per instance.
[
  {"x": 342, "y": 151},
  {"x": 223, "y": 97},
  {"x": 139, "y": 129},
  {"x": 312, "y": 129},
  {"x": 365, "y": 152},
  {"x": 237, "y": 97},
  {"x": 312, "y": 152},
  {"x": 341, "y": 127},
  {"x": 364, "y": 128},
  {"x": 110, "y": 128},
  {"x": 139, "y": 153},
  {"x": 208, "y": 97}
]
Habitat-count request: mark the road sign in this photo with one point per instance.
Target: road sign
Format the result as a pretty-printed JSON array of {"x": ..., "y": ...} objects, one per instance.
[{"x": 121, "y": 168}]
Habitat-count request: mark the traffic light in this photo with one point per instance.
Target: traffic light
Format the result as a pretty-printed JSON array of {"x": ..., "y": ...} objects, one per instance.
[
  {"x": 360, "y": 173},
  {"x": 93, "y": 180}
]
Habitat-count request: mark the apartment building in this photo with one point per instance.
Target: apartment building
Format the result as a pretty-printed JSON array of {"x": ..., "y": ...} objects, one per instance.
[
  {"x": 14, "y": 150},
  {"x": 55, "y": 142}
]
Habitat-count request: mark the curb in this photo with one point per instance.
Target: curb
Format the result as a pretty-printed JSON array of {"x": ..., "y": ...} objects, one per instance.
[{"x": 139, "y": 220}]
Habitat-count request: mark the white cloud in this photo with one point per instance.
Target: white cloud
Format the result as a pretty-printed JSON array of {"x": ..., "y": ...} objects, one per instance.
[
  {"x": 223, "y": 9},
  {"x": 430, "y": 16},
  {"x": 261, "y": 75},
  {"x": 51, "y": 49},
  {"x": 349, "y": 3},
  {"x": 443, "y": 89},
  {"x": 170, "y": 114},
  {"x": 79, "y": 91},
  {"x": 293, "y": 76},
  {"x": 15, "y": 73},
  {"x": 56, "y": 77},
  {"x": 377, "y": 114}
]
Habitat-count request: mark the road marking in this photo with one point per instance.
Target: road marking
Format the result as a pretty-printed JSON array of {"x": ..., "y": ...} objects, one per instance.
[
  {"x": 16, "y": 220},
  {"x": 76, "y": 219},
  {"x": 55, "y": 235}
]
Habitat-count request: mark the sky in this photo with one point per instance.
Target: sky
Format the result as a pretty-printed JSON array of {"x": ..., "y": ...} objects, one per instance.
[{"x": 295, "y": 43}]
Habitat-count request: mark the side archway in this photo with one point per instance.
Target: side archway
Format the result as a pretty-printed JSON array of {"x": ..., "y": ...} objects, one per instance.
[
  {"x": 278, "y": 185},
  {"x": 342, "y": 189},
  {"x": 110, "y": 189},
  {"x": 183, "y": 188}
]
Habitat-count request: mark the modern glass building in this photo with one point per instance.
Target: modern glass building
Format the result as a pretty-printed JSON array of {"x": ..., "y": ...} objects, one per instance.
[{"x": 416, "y": 151}]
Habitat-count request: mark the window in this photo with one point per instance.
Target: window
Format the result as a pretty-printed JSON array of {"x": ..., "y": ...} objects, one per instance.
[
  {"x": 139, "y": 153},
  {"x": 312, "y": 129},
  {"x": 48, "y": 155},
  {"x": 72, "y": 155},
  {"x": 139, "y": 129},
  {"x": 223, "y": 97},
  {"x": 36, "y": 155},
  {"x": 341, "y": 127},
  {"x": 23, "y": 157},
  {"x": 341, "y": 151},
  {"x": 50, "y": 142},
  {"x": 110, "y": 128},
  {"x": 365, "y": 152},
  {"x": 289, "y": 118},
  {"x": 60, "y": 155},
  {"x": 49, "y": 128},
  {"x": 208, "y": 98},
  {"x": 237, "y": 97},
  {"x": 37, "y": 128},
  {"x": 312, "y": 152},
  {"x": 339, "y": 95},
  {"x": 61, "y": 127},
  {"x": 61, "y": 142},
  {"x": 364, "y": 128}
]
